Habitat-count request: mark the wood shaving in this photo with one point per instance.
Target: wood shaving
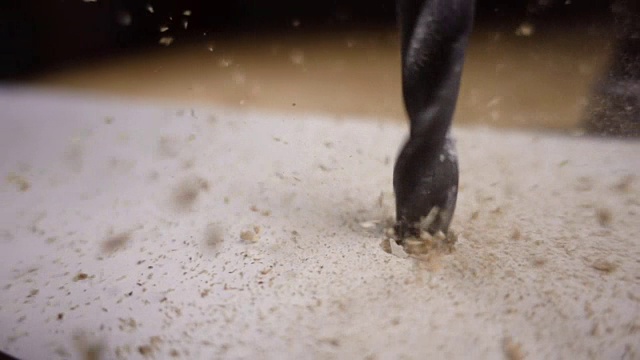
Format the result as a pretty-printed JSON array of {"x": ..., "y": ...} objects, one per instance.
[
  {"x": 427, "y": 243},
  {"x": 427, "y": 249},
  {"x": 390, "y": 246},
  {"x": 249, "y": 236},
  {"x": 370, "y": 224}
]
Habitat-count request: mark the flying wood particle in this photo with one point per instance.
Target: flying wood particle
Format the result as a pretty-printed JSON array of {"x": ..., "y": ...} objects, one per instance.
[
  {"x": 512, "y": 350},
  {"x": 166, "y": 40},
  {"x": 604, "y": 265},
  {"x": 127, "y": 325},
  {"x": 187, "y": 192},
  {"x": 624, "y": 184},
  {"x": 604, "y": 216},
  {"x": 168, "y": 147},
  {"x": 584, "y": 183},
  {"x": 332, "y": 341},
  {"x": 539, "y": 261},
  {"x": 80, "y": 276},
  {"x": 19, "y": 181},
  {"x": 115, "y": 242},
  {"x": 145, "y": 350},
  {"x": 90, "y": 349},
  {"x": 213, "y": 237}
]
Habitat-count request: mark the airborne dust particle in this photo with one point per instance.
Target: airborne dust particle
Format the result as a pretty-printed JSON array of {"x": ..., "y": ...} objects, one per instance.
[
  {"x": 213, "y": 237},
  {"x": 186, "y": 193}
]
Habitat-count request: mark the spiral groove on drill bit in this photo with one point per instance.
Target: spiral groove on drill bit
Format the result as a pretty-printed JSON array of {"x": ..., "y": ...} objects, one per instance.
[{"x": 434, "y": 38}]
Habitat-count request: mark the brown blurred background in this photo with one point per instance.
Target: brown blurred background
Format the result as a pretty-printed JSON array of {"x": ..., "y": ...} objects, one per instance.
[{"x": 530, "y": 64}]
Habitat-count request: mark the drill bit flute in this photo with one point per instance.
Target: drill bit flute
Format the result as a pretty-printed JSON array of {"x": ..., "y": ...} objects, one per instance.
[{"x": 434, "y": 36}]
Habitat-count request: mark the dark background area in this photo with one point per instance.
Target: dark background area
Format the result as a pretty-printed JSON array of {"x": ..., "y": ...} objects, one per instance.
[{"x": 38, "y": 35}]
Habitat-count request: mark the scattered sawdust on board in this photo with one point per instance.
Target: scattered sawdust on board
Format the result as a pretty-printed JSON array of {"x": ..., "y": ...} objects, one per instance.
[
  {"x": 512, "y": 350},
  {"x": 427, "y": 249},
  {"x": 150, "y": 349},
  {"x": 127, "y": 324},
  {"x": 250, "y": 235},
  {"x": 256, "y": 209}
]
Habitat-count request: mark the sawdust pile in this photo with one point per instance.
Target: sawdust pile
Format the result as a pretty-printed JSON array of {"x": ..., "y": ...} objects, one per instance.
[{"x": 427, "y": 248}]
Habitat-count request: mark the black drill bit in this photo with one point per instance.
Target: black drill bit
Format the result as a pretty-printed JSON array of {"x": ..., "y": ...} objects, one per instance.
[{"x": 434, "y": 35}]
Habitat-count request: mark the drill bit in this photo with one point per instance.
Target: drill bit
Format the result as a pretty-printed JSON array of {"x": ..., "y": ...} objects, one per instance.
[{"x": 434, "y": 36}]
